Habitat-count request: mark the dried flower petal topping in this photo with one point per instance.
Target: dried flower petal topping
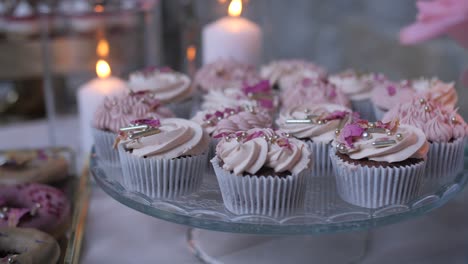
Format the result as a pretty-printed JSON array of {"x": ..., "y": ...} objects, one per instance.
[
  {"x": 335, "y": 115},
  {"x": 391, "y": 90},
  {"x": 351, "y": 132},
  {"x": 150, "y": 122},
  {"x": 260, "y": 92}
]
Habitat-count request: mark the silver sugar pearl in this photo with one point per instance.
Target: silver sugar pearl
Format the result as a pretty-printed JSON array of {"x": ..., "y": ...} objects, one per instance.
[
  {"x": 342, "y": 148},
  {"x": 427, "y": 108},
  {"x": 337, "y": 132},
  {"x": 371, "y": 125},
  {"x": 320, "y": 122},
  {"x": 2, "y": 215},
  {"x": 389, "y": 133},
  {"x": 5, "y": 209},
  {"x": 287, "y": 135},
  {"x": 422, "y": 101},
  {"x": 243, "y": 134},
  {"x": 453, "y": 119},
  {"x": 399, "y": 136},
  {"x": 232, "y": 112},
  {"x": 12, "y": 259},
  {"x": 366, "y": 135},
  {"x": 219, "y": 118},
  {"x": 306, "y": 110}
]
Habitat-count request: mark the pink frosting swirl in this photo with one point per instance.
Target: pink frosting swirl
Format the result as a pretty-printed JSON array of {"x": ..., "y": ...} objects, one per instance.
[
  {"x": 355, "y": 85},
  {"x": 439, "y": 123},
  {"x": 258, "y": 148},
  {"x": 165, "y": 85},
  {"x": 177, "y": 137},
  {"x": 118, "y": 111},
  {"x": 286, "y": 73},
  {"x": 389, "y": 94},
  {"x": 310, "y": 91},
  {"x": 223, "y": 74},
  {"x": 396, "y": 144},
  {"x": 325, "y": 120},
  {"x": 442, "y": 92}
]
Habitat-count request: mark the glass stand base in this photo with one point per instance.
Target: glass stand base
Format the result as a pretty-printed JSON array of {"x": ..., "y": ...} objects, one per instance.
[{"x": 217, "y": 247}]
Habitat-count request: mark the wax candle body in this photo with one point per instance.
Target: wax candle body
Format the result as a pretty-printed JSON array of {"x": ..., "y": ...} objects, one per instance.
[
  {"x": 232, "y": 38},
  {"x": 90, "y": 95}
]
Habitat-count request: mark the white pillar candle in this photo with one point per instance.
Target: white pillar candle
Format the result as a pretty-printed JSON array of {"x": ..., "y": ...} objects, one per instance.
[
  {"x": 232, "y": 37},
  {"x": 90, "y": 96}
]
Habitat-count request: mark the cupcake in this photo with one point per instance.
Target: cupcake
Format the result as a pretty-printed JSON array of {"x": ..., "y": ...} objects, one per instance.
[
  {"x": 316, "y": 126},
  {"x": 389, "y": 94},
  {"x": 283, "y": 74},
  {"x": 257, "y": 94},
  {"x": 170, "y": 87},
  {"x": 445, "y": 130},
  {"x": 22, "y": 21},
  {"x": 116, "y": 112},
  {"x": 163, "y": 159},
  {"x": 435, "y": 89},
  {"x": 230, "y": 120},
  {"x": 223, "y": 74},
  {"x": 358, "y": 88},
  {"x": 312, "y": 92},
  {"x": 261, "y": 172},
  {"x": 379, "y": 164}
]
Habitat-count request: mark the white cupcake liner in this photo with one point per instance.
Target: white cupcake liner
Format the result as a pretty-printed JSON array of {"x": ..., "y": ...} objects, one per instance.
[
  {"x": 182, "y": 109},
  {"x": 261, "y": 195},
  {"x": 379, "y": 112},
  {"x": 162, "y": 178},
  {"x": 320, "y": 158},
  {"x": 374, "y": 187},
  {"x": 104, "y": 146},
  {"x": 445, "y": 160},
  {"x": 364, "y": 107}
]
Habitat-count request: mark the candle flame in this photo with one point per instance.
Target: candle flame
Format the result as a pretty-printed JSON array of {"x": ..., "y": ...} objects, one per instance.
[
  {"x": 102, "y": 48},
  {"x": 99, "y": 8},
  {"x": 235, "y": 8},
  {"x": 103, "y": 69},
  {"x": 191, "y": 53}
]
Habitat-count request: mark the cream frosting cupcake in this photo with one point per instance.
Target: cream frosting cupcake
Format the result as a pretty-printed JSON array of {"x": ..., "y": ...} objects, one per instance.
[
  {"x": 379, "y": 164},
  {"x": 23, "y": 21},
  {"x": 163, "y": 159},
  {"x": 444, "y": 128},
  {"x": 259, "y": 94},
  {"x": 435, "y": 89},
  {"x": 170, "y": 87},
  {"x": 312, "y": 91},
  {"x": 316, "y": 126},
  {"x": 286, "y": 73},
  {"x": 358, "y": 88},
  {"x": 388, "y": 94},
  {"x": 265, "y": 160},
  {"x": 118, "y": 111},
  {"x": 223, "y": 74}
]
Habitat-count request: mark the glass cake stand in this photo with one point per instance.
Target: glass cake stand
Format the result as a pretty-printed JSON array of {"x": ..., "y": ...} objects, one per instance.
[{"x": 323, "y": 212}]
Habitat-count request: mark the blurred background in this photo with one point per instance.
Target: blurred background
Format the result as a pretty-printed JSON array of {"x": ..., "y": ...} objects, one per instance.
[{"x": 48, "y": 49}]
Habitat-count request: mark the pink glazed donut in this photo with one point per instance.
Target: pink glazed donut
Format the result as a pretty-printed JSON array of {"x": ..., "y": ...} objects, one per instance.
[{"x": 35, "y": 206}]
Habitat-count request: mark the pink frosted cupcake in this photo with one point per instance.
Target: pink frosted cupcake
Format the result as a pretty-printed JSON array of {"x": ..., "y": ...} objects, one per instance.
[
  {"x": 259, "y": 94},
  {"x": 227, "y": 121},
  {"x": 444, "y": 128},
  {"x": 389, "y": 94},
  {"x": 163, "y": 159},
  {"x": 261, "y": 172},
  {"x": 283, "y": 74},
  {"x": 312, "y": 92},
  {"x": 358, "y": 88},
  {"x": 435, "y": 89},
  {"x": 116, "y": 112},
  {"x": 170, "y": 87},
  {"x": 379, "y": 164},
  {"x": 316, "y": 126},
  {"x": 223, "y": 74}
]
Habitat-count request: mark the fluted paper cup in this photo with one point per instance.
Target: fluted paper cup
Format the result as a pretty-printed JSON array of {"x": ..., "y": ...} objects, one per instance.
[
  {"x": 182, "y": 109},
  {"x": 261, "y": 195},
  {"x": 374, "y": 187},
  {"x": 112, "y": 171},
  {"x": 364, "y": 107},
  {"x": 162, "y": 178},
  {"x": 320, "y": 158},
  {"x": 445, "y": 160},
  {"x": 104, "y": 146}
]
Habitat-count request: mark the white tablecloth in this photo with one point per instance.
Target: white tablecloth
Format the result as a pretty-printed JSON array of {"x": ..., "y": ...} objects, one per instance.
[{"x": 117, "y": 234}]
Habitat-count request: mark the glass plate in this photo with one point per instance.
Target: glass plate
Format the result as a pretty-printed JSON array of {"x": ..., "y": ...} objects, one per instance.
[{"x": 324, "y": 211}]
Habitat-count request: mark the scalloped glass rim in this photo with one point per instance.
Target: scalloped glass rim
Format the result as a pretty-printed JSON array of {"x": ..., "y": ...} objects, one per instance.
[{"x": 219, "y": 219}]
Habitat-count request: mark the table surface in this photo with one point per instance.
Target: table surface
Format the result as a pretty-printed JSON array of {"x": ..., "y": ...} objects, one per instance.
[{"x": 117, "y": 234}]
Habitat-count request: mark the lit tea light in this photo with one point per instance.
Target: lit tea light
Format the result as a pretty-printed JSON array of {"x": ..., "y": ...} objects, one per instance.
[
  {"x": 232, "y": 37},
  {"x": 90, "y": 96}
]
